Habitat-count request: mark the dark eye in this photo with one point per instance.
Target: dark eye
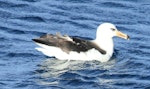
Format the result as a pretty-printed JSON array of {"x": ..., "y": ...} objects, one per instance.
[{"x": 113, "y": 29}]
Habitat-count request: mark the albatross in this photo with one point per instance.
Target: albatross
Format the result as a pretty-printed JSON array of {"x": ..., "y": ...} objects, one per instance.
[{"x": 66, "y": 47}]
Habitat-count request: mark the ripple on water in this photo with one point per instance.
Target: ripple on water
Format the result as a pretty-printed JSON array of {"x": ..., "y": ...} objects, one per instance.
[
  {"x": 32, "y": 19},
  {"x": 23, "y": 67},
  {"x": 73, "y": 74}
]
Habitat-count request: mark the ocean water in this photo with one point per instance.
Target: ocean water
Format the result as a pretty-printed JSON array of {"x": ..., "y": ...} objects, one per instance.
[{"x": 22, "y": 67}]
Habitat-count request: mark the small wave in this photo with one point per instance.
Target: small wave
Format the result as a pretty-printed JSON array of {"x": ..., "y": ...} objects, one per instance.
[
  {"x": 113, "y": 4},
  {"x": 31, "y": 0},
  {"x": 2, "y": 39},
  {"x": 20, "y": 5},
  {"x": 5, "y": 4},
  {"x": 79, "y": 24},
  {"x": 21, "y": 55},
  {"x": 32, "y": 19},
  {"x": 81, "y": 1},
  {"x": 11, "y": 30}
]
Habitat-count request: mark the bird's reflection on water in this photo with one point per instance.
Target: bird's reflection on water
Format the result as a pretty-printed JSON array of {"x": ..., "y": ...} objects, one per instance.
[{"x": 52, "y": 71}]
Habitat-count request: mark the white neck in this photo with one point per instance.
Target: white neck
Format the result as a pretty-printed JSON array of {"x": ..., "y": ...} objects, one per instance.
[{"x": 106, "y": 44}]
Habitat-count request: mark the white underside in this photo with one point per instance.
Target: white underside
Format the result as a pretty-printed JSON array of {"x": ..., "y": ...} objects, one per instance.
[{"x": 61, "y": 55}]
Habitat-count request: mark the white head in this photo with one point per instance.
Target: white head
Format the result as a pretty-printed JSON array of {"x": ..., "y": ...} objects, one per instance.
[
  {"x": 104, "y": 35},
  {"x": 108, "y": 30}
]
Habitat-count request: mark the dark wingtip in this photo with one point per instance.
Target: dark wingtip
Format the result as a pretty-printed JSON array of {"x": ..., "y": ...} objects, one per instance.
[
  {"x": 33, "y": 39},
  {"x": 40, "y": 41},
  {"x": 36, "y": 40}
]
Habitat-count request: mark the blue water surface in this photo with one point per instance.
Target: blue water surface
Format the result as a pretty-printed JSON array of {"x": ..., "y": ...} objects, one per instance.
[{"x": 22, "y": 67}]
